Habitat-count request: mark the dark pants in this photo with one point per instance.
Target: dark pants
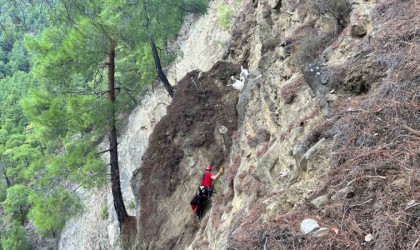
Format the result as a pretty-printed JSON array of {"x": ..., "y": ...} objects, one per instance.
[
  {"x": 205, "y": 191},
  {"x": 198, "y": 204}
]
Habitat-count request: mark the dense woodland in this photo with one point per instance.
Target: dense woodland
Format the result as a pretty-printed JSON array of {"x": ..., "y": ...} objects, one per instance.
[{"x": 68, "y": 68}]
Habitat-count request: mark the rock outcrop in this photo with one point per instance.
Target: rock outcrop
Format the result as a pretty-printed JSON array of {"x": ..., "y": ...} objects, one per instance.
[{"x": 326, "y": 127}]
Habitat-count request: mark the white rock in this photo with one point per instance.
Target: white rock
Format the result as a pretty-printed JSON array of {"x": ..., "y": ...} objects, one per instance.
[
  {"x": 410, "y": 203},
  {"x": 237, "y": 84},
  {"x": 368, "y": 237},
  {"x": 308, "y": 225}
]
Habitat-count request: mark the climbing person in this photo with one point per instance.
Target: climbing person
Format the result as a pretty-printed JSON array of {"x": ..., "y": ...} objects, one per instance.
[{"x": 206, "y": 188}]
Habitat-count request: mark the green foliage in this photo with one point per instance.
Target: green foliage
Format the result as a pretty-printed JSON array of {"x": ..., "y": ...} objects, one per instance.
[
  {"x": 18, "y": 58},
  {"x": 53, "y": 99},
  {"x": 195, "y": 6},
  {"x": 223, "y": 44},
  {"x": 131, "y": 205},
  {"x": 51, "y": 210},
  {"x": 104, "y": 213},
  {"x": 225, "y": 16},
  {"x": 15, "y": 205},
  {"x": 82, "y": 163},
  {"x": 15, "y": 238},
  {"x": 3, "y": 190},
  {"x": 57, "y": 56},
  {"x": 47, "y": 112},
  {"x": 18, "y": 18}
]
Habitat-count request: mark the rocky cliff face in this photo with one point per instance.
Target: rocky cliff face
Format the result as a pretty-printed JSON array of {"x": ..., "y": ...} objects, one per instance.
[
  {"x": 326, "y": 128},
  {"x": 98, "y": 228}
]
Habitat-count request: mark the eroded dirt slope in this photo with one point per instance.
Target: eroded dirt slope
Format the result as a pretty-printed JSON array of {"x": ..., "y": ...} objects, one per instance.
[{"x": 196, "y": 131}]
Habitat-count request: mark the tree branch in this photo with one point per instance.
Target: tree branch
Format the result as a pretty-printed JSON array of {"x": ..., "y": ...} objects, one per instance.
[
  {"x": 81, "y": 184},
  {"x": 104, "y": 151}
]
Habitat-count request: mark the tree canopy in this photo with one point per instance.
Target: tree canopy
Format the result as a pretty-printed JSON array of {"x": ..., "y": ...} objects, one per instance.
[{"x": 56, "y": 104}]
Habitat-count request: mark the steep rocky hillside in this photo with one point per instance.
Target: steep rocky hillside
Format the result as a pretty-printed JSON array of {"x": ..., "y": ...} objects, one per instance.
[
  {"x": 198, "y": 128},
  {"x": 326, "y": 128}
]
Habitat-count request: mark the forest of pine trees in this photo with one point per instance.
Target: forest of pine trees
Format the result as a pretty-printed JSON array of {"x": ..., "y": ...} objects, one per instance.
[{"x": 67, "y": 69}]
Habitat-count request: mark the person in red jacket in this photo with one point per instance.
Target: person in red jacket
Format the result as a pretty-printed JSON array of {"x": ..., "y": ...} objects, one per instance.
[
  {"x": 206, "y": 182},
  {"x": 199, "y": 201}
]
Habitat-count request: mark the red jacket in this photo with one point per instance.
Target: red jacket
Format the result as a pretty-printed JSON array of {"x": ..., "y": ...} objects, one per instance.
[{"x": 206, "y": 181}]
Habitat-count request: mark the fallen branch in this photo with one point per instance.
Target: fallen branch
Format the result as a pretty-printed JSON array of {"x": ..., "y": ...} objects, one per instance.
[
  {"x": 360, "y": 204},
  {"x": 415, "y": 243},
  {"x": 412, "y": 130},
  {"x": 415, "y": 204},
  {"x": 265, "y": 244},
  {"x": 376, "y": 176},
  {"x": 367, "y": 176}
]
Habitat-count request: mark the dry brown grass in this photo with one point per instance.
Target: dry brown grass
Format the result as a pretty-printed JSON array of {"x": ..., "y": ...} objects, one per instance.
[
  {"x": 262, "y": 136},
  {"x": 197, "y": 107},
  {"x": 290, "y": 90},
  {"x": 276, "y": 234},
  {"x": 376, "y": 151},
  {"x": 378, "y": 142}
]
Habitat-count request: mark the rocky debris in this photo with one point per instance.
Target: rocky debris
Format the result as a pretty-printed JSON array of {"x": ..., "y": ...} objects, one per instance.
[
  {"x": 220, "y": 134},
  {"x": 312, "y": 228},
  {"x": 276, "y": 4},
  {"x": 266, "y": 164},
  {"x": 308, "y": 225},
  {"x": 283, "y": 53},
  {"x": 319, "y": 201},
  {"x": 343, "y": 193},
  {"x": 266, "y": 13},
  {"x": 400, "y": 183},
  {"x": 368, "y": 237},
  {"x": 320, "y": 78},
  {"x": 303, "y": 162},
  {"x": 270, "y": 44},
  {"x": 358, "y": 31},
  {"x": 255, "y": 3},
  {"x": 321, "y": 232},
  {"x": 326, "y": 25},
  {"x": 239, "y": 48},
  {"x": 331, "y": 97}
]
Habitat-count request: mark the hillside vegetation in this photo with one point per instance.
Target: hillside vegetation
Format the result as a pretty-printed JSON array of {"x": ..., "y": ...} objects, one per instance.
[
  {"x": 69, "y": 69},
  {"x": 326, "y": 129}
]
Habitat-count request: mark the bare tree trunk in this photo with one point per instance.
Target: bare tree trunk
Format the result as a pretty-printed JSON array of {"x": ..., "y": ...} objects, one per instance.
[
  {"x": 9, "y": 183},
  {"x": 159, "y": 70},
  {"x": 155, "y": 53},
  {"x": 22, "y": 216},
  {"x": 42, "y": 149},
  {"x": 113, "y": 145}
]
